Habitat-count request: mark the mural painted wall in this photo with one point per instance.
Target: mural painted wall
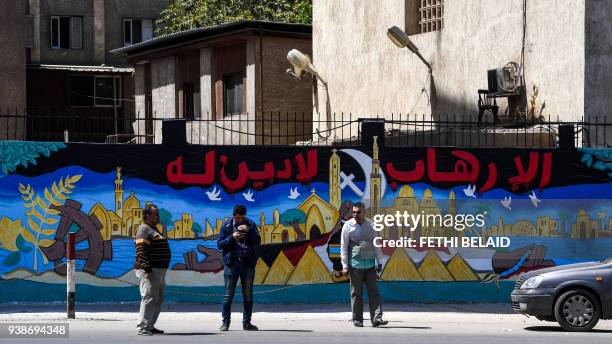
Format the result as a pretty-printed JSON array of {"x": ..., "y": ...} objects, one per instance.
[{"x": 554, "y": 206}]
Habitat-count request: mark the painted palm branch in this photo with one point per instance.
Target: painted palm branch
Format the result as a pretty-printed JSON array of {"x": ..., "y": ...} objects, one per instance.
[{"x": 40, "y": 218}]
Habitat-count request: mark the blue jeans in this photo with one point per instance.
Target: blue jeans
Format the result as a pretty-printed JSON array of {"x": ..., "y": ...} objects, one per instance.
[{"x": 246, "y": 273}]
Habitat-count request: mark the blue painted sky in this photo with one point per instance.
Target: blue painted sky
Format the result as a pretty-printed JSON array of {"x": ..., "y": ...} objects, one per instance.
[{"x": 94, "y": 187}]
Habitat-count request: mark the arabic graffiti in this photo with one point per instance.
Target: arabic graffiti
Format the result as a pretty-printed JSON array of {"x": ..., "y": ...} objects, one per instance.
[
  {"x": 306, "y": 171},
  {"x": 300, "y": 198},
  {"x": 467, "y": 170}
]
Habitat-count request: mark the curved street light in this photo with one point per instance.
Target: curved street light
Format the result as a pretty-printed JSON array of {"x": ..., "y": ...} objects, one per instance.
[{"x": 401, "y": 40}]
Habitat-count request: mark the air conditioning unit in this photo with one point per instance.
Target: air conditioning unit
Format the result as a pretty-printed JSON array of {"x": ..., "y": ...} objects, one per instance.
[{"x": 504, "y": 81}]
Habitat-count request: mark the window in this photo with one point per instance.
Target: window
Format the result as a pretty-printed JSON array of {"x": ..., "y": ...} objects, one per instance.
[
  {"x": 66, "y": 32},
  {"x": 431, "y": 15},
  {"x": 233, "y": 94},
  {"x": 90, "y": 90},
  {"x": 81, "y": 90},
  {"x": 137, "y": 30},
  {"x": 191, "y": 100}
]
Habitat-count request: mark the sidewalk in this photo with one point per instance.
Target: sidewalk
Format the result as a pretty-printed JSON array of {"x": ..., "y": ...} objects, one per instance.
[{"x": 329, "y": 323}]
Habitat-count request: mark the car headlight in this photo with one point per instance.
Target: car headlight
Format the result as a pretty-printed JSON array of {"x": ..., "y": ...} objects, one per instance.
[{"x": 532, "y": 283}]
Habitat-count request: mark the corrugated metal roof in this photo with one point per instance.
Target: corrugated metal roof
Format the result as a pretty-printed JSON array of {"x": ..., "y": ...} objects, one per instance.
[
  {"x": 78, "y": 68},
  {"x": 210, "y": 32}
]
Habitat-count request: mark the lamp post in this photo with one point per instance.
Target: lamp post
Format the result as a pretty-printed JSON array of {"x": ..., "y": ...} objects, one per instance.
[{"x": 401, "y": 40}]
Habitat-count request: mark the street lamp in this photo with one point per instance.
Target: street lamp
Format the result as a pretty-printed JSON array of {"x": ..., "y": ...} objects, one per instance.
[
  {"x": 401, "y": 40},
  {"x": 301, "y": 65}
]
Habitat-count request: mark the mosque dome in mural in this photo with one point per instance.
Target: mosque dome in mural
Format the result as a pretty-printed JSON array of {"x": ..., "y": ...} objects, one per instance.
[
  {"x": 523, "y": 227},
  {"x": 406, "y": 192},
  {"x": 131, "y": 202}
]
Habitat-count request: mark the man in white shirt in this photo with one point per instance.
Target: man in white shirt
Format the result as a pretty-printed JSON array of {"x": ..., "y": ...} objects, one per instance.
[{"x": 361, "y": 260}]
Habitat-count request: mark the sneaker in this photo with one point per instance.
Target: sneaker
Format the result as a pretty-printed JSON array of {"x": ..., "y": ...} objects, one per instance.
[
  {"x": 379, "y": 322},
  {"x": 156, "y": 331},
  {"x": 357, "y": 323},
  {"x": 224, "y": 326},
  {"x": 249, "y": 327},
  {"x": 144, "y": 333}
]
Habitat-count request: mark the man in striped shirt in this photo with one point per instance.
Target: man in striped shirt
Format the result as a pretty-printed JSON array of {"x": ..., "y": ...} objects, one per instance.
[{"x": 152, "y": 261}]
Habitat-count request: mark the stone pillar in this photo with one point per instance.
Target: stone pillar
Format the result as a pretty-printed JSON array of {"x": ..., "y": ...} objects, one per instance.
[
  {"x": 206, "y": 85},
  {"x": 99, "y": 32}
]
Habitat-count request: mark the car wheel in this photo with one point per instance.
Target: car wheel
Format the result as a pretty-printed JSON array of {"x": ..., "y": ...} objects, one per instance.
[{"x": 577, "y": 310}]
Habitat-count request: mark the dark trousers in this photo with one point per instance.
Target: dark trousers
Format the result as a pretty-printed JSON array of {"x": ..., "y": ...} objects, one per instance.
[
  {"x": 246, "y": 273},
  {"x": 357, "y": 278}
]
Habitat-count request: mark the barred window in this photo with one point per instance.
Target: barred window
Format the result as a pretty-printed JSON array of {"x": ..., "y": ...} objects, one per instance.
[{"x": 431, "y": 15}]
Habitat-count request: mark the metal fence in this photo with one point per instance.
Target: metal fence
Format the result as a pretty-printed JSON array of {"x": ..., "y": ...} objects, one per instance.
[{"x": 285, "y": 128}]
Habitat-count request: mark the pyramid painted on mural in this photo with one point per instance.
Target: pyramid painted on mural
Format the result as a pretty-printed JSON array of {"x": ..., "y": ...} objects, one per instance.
[
  {"x": 460, "y": 270},
  {"x": 310, "y": 270},
  {"x": 261, "y": 271},
  {"x": 280, "y": 271},
  {"x": 400, "y": 267},
  {"x": 432, "y": 268}
]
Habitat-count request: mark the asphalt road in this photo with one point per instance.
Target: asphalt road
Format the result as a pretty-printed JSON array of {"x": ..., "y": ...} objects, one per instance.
[{"x": 294, "y": 324}]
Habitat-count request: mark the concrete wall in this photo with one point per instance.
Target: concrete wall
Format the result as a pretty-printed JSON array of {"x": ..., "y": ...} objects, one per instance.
[
  {"x": 368, "y": 75},
  {"x": 30, "y": 272},
  {"x": 116, "y": 11},
  {"x": 162, "y": 85},
  {"x": 284, "y": 94},
  {"x": 139, "y": 100},
  {"x": 598, "y": 75},
  {"x": 12, "y": 73},
  {"x": 163, "y": 92}
]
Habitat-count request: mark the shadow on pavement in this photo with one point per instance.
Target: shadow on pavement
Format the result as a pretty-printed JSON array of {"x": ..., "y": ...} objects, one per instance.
[
  {"x": 409, "y": 327},
  {"x": 260, "y": 330},
  {"x": 558, "y": 329},
  {"x": 189, "y": 334},
  {"x": 132, "y": 307}
]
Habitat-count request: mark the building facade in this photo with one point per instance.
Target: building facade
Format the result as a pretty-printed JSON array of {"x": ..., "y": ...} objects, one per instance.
[
  {"x": 70, "y": 71},
  {"x": 12, "y": 73},
  {"x": 566, "y": 53},
  {"x": 229, "y": 78}
]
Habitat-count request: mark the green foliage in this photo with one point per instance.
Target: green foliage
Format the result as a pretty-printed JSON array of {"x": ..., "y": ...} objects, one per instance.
[
  {"x": 21, "y": 244},
  {"x": 196, "y": 228},
  {"x": 598, "y": 159},
  {"x": 15, "y": 153},
  {"x": 12, "y": 259},
  {"x": 165, "y": 218},
  {"x": 292, "y": 216},
  {"x": 183, "y": 15}
]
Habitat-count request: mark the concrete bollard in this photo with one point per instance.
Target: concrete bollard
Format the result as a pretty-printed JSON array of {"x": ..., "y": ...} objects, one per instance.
[{"x": 70, "y": 276}]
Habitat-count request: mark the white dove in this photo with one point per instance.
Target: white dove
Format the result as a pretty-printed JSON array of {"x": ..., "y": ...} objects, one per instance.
[
  {"x": 469, "y": 191},
  {"x": 248, "y": 196},
  {"x": 506, "y": 202},
  {"x": 534, "y": 199},
  {"x": 214, "y": 194},
  {"x": 293, "y": 193}
]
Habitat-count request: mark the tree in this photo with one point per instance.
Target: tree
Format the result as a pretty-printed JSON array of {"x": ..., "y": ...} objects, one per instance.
[
  {"x": 293, "y": 218},
  {"x": 183, "y": 15},
  {"x": 196, "y": 228},
  {"x": 165, "y": 219}
]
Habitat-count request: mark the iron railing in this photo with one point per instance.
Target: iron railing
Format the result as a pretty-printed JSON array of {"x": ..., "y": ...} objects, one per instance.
[{"x": 286, "y": 128}]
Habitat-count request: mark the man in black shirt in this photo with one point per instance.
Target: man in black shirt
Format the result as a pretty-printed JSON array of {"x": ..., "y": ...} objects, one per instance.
[{"x": 152, "y": 261}]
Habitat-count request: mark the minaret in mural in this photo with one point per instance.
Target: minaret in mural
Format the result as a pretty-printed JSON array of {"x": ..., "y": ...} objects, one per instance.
[
  {"x": 335, "y": 194},
  {"x": 452, "y": 207},
  {"x": 375, "y": 180},
  {"x": 118, "y": 193}
]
